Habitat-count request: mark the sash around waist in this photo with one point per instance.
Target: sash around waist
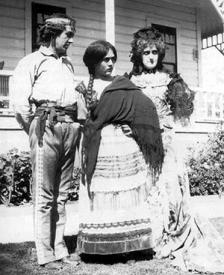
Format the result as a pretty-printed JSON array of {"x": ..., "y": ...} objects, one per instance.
[
  {"x": 57, "y": 113},
  {"x": 53, "y": 113}
]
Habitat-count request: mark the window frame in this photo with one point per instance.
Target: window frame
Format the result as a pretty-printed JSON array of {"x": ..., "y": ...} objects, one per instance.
[
  {"x": 28, "y": 18},
  {"x": 157, "y": 20},
  {"x": 28, "y": 41},
  {"x": 161, "y": 29},
  {"x": 45, "y": 10}
]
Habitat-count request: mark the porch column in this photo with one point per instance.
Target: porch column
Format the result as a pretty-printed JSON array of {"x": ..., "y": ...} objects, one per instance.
[{"x": 110, "y": 21}]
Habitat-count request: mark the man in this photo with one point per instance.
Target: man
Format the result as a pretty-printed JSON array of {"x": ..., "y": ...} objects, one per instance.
[{"x": 50, "y": 110}]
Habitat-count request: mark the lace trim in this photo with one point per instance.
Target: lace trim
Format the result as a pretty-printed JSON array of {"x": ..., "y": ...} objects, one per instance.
[{"x": 112, "y": 224}]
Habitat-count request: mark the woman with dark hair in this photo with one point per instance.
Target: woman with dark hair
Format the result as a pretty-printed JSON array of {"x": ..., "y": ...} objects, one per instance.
[
  {"x": 118, "y": 170},
  {"x": 176, "y": 232}
]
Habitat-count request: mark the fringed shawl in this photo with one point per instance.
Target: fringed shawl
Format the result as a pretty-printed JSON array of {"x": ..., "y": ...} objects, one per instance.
[{"x": 123, "y": 103}]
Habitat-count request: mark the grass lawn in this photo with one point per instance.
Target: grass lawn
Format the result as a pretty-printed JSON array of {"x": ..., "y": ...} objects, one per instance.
[{"x": 21, "y": 259}]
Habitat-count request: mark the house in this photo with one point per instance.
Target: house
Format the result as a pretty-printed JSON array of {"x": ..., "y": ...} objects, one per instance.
[{"x": 184, "y": 23}]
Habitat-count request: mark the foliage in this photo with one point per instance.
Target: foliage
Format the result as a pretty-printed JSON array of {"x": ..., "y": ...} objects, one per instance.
[
  {"x": 16, "y": 178},
  {"x": 206, "y": 167}
]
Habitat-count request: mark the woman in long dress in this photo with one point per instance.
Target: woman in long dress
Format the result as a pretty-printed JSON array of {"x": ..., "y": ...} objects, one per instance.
[
  {"x": 118, "y": 170},
  {"x": 192, "y": 242}
]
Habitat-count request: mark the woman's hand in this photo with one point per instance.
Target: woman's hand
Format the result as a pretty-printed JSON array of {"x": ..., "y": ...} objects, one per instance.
[
  {"x": 81, "y": 88},
  {"x": 126, "y": 130}
]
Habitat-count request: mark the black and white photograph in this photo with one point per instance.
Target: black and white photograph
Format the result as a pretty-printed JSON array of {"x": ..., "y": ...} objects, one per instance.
[{"x": 111, "y": 137}]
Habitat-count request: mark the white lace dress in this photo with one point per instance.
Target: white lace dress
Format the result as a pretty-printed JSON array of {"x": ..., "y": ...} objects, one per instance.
[{"x": 191, "y": 241}]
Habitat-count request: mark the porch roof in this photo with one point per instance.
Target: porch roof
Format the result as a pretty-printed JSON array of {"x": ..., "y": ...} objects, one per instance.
[
  {"x": 211, "y": 14},
  {"x": 212, "y": 17}
]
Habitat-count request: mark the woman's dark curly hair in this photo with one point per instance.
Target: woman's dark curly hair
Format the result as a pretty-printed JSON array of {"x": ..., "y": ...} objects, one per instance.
[
  {"x": 179, "y": 97},
  {"x": 96, "y": 52},
  {"x": 142, "y": 39},
  {"x": 50, "y": 31}
]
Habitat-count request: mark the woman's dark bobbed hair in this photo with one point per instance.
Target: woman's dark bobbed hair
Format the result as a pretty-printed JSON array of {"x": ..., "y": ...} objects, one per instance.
[
  {"x": 96, "y": 52},
  {"x": 141, "y": 39}
]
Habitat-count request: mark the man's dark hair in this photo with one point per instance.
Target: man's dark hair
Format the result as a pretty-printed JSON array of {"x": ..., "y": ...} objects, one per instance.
[{"x": 50, "y": 30}]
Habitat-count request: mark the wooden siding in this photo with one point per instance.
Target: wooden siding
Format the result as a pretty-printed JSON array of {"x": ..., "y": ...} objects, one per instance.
[
  {"x": 131, "y": 15},
  {"x": 90, "y": 22},
  {"x": 90, "y": 16},
  {"x": 12, "y": 32}
]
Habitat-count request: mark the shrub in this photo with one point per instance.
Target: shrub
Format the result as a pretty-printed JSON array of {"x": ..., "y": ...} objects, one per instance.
[
  {"x": 16, "y": 178},
  {"x": 206, "y": 167}
]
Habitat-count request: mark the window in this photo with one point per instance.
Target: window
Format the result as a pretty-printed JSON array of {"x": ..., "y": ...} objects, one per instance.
[
  {"x": 170, "y": 38},
  {"x": 39, "y": 13}
]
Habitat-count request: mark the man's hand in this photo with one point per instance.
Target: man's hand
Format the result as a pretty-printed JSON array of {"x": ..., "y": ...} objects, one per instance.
[
  {"x": 24, "y": 122},
  {"x": 81, "y": 108}
]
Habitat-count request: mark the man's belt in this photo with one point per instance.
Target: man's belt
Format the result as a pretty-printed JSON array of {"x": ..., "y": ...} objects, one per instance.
[{"x": 49, "y": 111}]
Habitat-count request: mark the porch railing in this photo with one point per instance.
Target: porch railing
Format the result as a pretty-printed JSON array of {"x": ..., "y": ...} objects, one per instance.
[
  {"x": 5, "y": 77},
  {"x": 214, "y": 41},
  {"x": 209, "y": 105}
]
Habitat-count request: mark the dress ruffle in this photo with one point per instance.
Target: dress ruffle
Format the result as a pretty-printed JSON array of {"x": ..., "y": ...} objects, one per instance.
[{"x": 115, "y": 220}]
